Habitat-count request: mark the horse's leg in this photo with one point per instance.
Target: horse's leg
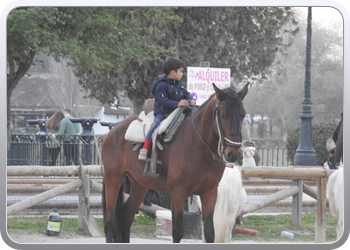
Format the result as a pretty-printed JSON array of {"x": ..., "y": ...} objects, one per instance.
[
  {"x": 208, "y": 205},
  {"x": 112, "y": 203},
  {"x": 177, "y": 209},
  {"x": 339, "y": 200},
  {"x": 130, "y": 207}
]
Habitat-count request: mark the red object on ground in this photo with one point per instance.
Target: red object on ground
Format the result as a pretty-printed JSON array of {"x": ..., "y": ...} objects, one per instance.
[{"x": 245, "y": 231}]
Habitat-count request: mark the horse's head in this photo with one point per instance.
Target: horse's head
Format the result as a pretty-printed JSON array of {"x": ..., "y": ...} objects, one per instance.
[{"x": 229, "y": 115}]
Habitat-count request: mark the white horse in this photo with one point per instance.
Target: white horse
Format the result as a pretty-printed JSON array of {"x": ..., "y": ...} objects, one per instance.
[
  {"x": 248, "y": 157},
  {"x": 335, "y": 195},
  {"x": 229, "y": 204}
]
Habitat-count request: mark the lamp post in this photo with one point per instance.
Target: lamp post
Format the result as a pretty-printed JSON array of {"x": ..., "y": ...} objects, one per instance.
[{"x": 305, "y": 154}]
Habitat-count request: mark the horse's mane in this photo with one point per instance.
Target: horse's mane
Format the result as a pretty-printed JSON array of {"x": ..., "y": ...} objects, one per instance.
[{"x": 233, "y": 109}]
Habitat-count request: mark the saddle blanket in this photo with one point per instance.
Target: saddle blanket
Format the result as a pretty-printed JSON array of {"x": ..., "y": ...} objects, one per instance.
[{"x": 139, "y": 128}]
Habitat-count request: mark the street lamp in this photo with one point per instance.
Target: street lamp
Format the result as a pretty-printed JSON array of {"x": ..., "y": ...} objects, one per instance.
[{"x": 305, "y": 154}]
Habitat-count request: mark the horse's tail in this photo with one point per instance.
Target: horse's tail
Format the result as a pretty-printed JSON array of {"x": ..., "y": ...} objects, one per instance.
[
  {"x": 104, "y": 201},
  {"x": 119, "y": 211},
  {"x": 117, "y": 222}
]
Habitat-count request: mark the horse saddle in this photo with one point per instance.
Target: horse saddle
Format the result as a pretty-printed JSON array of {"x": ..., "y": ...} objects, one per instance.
[{"x": 138, "y": 129}]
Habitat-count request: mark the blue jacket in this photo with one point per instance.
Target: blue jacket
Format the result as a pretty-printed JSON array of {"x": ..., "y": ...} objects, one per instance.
[{"x": 168, "y": 93}]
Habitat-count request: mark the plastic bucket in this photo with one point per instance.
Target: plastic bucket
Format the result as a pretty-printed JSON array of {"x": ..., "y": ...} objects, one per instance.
[{"x": 164, "y": 224}]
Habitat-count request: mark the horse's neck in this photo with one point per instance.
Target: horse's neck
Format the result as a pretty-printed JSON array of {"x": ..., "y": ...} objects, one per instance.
[{"x": 205, "y": 117}]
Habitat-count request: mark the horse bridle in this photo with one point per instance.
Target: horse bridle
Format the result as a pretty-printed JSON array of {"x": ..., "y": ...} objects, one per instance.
[{"x": 223, "y": 141}]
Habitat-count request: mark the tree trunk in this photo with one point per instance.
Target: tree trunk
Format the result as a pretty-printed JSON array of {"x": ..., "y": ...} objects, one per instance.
[
  {"x": 138, "y": 107},
  {"x": 13, "y": 78}
]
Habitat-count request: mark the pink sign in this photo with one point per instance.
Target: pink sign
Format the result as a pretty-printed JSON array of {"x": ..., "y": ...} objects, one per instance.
[{"x": 200, "y": 82}]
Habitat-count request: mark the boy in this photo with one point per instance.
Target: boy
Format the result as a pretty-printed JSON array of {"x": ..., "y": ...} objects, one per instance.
[{"x": 170, "y": 93}]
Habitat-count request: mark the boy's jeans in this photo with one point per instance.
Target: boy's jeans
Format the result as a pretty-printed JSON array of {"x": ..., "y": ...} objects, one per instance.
[{"x": 158, "y": 119}]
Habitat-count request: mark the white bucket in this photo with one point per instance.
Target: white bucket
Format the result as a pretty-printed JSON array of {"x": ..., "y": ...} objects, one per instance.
[{"x": 164, "y": 224}]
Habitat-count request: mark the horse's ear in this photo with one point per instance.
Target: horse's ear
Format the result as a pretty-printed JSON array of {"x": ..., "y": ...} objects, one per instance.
[
  {"x": 219, "y": 93},
  {"x": 243, "y": 91}
]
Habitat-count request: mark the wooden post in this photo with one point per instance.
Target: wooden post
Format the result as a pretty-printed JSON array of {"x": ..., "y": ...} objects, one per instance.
[
  {"x": 297, "y": 203},
  {"x": 320, "y": 224},
  {"x": 86, "y": 222},
  {"x": 82, "y": 206}
]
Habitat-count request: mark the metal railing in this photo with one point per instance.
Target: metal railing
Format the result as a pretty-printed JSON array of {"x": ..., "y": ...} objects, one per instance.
[
  {"x": 272, "y": 153},
  {"x": 40, "y": 150}
]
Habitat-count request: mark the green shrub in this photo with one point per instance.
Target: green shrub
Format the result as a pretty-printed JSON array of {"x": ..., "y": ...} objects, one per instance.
[{"x": 320, "y": 133}]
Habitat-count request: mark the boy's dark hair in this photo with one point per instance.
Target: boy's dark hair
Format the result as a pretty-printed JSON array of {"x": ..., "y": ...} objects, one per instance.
[{"x": 172, "y": 64}]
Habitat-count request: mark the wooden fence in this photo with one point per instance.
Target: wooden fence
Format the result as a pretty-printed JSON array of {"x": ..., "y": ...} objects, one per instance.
[{"x": 296, "y": 174}]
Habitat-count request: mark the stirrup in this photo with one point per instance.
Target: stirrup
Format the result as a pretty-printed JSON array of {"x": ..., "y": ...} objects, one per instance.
[{"x": 152, "y": 168}]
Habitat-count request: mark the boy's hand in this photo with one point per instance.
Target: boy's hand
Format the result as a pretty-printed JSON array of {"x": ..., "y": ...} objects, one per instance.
[
  {"x": 192, "y": 102},
  {"x": 182, "y": 103}
]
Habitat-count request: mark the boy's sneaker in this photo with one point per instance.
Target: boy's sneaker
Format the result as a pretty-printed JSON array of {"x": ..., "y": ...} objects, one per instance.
[{"x": 143, "y": 154}]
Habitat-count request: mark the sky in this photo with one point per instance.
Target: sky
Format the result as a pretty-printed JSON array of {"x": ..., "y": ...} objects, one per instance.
[{"x": 324, "y": 14}]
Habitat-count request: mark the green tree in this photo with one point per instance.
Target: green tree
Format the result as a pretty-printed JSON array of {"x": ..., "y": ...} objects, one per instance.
[
  {"x": 95, "y": 38},
  {"x": 244, "y": 39}
]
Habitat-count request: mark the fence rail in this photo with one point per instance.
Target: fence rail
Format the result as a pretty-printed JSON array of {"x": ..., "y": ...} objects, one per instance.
[
  {"x": 297, "y": 174},
  {"x": 40, "y": 149}
]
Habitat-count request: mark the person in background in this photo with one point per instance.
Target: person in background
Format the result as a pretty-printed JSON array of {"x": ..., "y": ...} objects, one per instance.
[
  {"x": 70, "y": 146},
  {"x": 52, "y": 126}
]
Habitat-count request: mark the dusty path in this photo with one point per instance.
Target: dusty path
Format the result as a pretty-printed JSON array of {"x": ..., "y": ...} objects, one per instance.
[{"x": 23, "y": 237}]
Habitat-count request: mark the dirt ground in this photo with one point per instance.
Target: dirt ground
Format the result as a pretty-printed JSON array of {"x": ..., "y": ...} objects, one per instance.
[{"x": 18, "y": 236}]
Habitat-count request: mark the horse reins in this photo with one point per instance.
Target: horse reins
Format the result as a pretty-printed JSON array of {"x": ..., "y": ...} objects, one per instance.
[{"x": 223, "y": 141}]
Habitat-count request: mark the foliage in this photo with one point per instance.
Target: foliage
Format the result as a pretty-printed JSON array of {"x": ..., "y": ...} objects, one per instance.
[
  {"x": 113, "y": 49},
  {"x": 320, "y": 133},
  {"x": 243, "y": 39},
  {"x": 97, "y": 39}
]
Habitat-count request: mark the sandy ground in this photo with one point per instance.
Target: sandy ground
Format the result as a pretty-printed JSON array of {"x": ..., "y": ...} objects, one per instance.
[
  {"x": 24, "y": 237},
  {"x": 17, "y": 236}
]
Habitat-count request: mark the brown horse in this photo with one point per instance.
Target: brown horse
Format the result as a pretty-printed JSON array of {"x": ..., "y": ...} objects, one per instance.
[{"x": 193, "y": 163}]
